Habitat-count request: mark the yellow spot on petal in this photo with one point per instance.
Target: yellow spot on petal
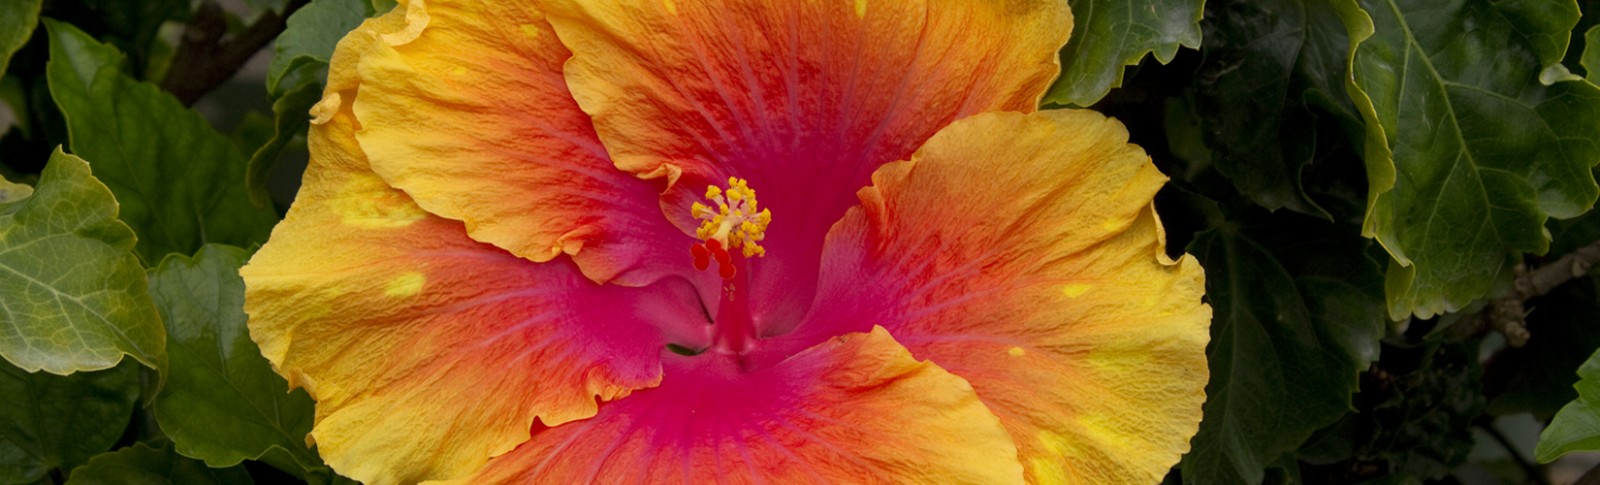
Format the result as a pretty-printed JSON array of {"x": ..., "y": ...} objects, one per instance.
[
  {"x": 1106, "y": 431},
  {"x": 405, "y": 285},
  {"x": 1076, "y": 289},
  {"x": 861, "y": 8},
  {"x": 1016, "y": 352},
  {"x": 366, "y": 201},
  {"x": 459, "y": 70},
  {"x": 1113, "y": 225},
  {"x": 1054, "y": 442},
  {"x": 672, "y": 8},
  {"x": 1049, "y": 468},
  {"x": 532, "y": 30}
]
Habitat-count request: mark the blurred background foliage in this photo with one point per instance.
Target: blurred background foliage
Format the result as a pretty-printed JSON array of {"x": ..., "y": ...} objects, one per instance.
[{"x": 1392, "y": 200}]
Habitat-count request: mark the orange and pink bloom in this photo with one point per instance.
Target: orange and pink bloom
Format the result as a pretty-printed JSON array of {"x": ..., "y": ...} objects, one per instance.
[{"x": 737, "y": 241}]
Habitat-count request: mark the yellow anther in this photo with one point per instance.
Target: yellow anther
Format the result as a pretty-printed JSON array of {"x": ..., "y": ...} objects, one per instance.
[{"x": 738, "y": 222}]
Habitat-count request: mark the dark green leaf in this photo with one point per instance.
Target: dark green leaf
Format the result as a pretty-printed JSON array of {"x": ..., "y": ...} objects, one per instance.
[
  {"x": 292, "y": 116},
  {"x": 75, "y": 297},
  {"x": 295, "y": 78},
  {"x": 1467, "y": 152},
  {"x": 1298, "y": 314},
  {"x": 1424, "y": 417},
  {"x": 142, "y": 464},
  {"x": 49, "y": 421},
  {"x": 17, "y": 20},
  {"x": 253, "y": 130},
  {"x": 1108, "y": 35},
  {"x": 180, "y": 183},
  {"x": 1577, "y": 426},
  {"x": 1591, "y": 54},
  {"x": 222, "y": 402},
  {"x": 1271, "y": 69},
  {"x": 133, "y": 26},
  {"x": 309, "y": 39}
]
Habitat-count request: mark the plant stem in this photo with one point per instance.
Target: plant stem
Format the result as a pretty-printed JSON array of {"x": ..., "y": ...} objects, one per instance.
[{"x": 205, "y": 59}]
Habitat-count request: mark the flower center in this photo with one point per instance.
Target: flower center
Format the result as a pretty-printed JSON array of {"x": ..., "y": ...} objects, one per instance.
[{"x": 736, "y": 223}]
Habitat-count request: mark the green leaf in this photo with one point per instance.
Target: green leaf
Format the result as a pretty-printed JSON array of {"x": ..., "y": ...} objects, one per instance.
[
  {"x": 1591, "y": 54},
  {"x": 49, "y": 421},
  {"x": 133, "y": 26},
  {"x": 1468, "y": 153},
  {"x": 1108, "y": 35},
  {"x": 1577, "y": 426},
  {"x": 1298, "y": 314},
  {"x": 309, "y": 38},
  {"x": 180, "y": 183},
  {"x": 142, "y": 464},
  {"x": 222, "y": 402},
  {"x": 380, "y": 7},
  {"x": 291, "y": 113},
  {"x": 75, "y": 297},
  {"x": 294, "y": 80},
  {"x": 17, "y": 20},
  {"x": 1271, "y": 69},
  {"x": 12, "y": 192}
]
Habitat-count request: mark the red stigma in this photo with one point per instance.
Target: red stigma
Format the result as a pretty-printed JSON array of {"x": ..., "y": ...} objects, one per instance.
[
  {"x": 712, "y": 249},
  {"x": 702, "y": 257}
]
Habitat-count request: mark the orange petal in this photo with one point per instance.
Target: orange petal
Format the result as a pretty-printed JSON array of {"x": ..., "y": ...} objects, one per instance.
[
  {"x": 467, "y": 111},
  {"x": 802, "y": 98},
  {"x": 854, "y": 409},
  {"x": 429, "y": 352},
  {"x": 1021, "y": 252}
]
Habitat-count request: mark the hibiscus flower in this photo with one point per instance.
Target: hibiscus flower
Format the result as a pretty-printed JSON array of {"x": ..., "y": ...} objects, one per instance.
[{"x": 727, "y": 241}]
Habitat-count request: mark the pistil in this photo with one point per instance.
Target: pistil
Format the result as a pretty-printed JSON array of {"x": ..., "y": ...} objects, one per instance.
[
  {"x": 735, "y": 330},
  {"x": 736, "y": 223}
]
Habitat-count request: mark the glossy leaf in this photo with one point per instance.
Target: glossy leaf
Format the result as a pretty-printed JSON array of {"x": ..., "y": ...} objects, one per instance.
[
  {"x": 49, "y": 421},
  {"x": 17, "y": 20},
  {"x": 142, "y": 464},
  {"x": 1577, "y": 426},
  {"x": 1298, "y": 315},
  {"x": 1109, "y": 35},
  {"x": 308, "y": 40},
  {"x": 180, "y": 183},
  {"x": 1468, "y": 153},
  {"x": 75, "y": 297},
  {"x": 1271, "y": 69},
  {"x": 222, "y": 402}
]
